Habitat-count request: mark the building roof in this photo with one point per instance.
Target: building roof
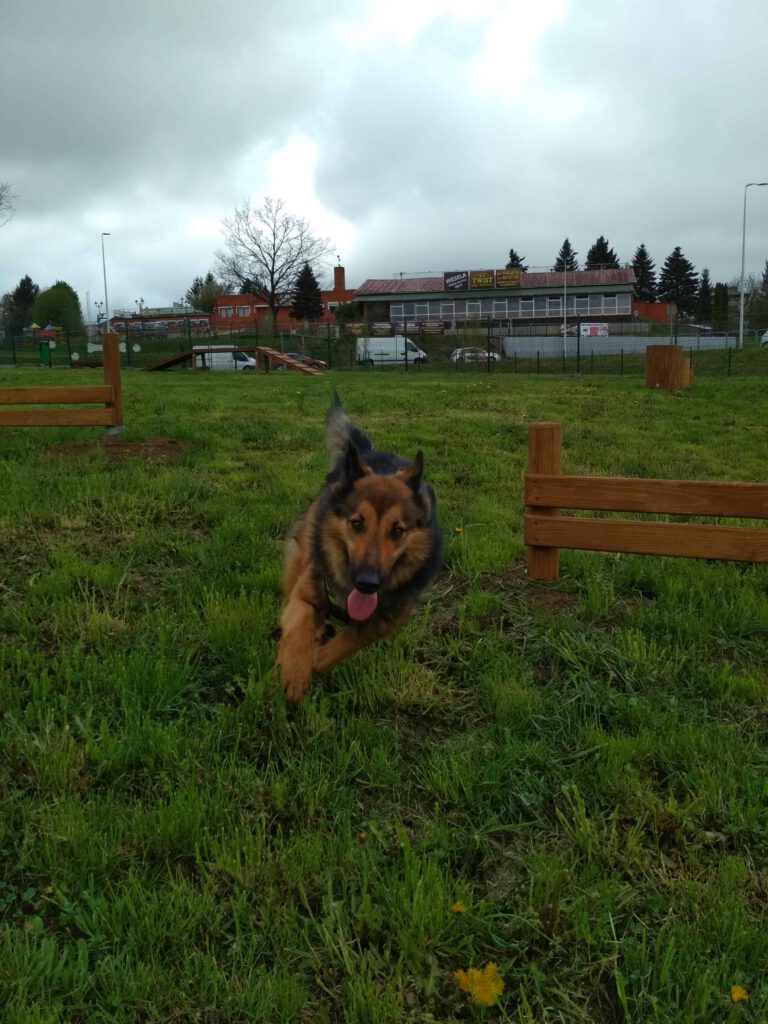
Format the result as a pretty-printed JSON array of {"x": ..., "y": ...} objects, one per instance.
[{"x": 575, "y": 279}]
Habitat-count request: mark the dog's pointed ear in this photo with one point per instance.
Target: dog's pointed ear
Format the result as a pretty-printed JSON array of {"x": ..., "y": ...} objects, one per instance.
[
  {"x": 352, "y": 465},
  {"x": 412, "y": 474}
]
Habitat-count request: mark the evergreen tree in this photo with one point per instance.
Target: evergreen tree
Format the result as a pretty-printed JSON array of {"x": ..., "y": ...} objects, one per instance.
[
  {"x": 566, "y": 258},
  {"x": 307, "y": 298},
  {"x": 705, "y": 298},
  {"x": 720, "y": 307},
  {"x": 516, "y": 262},
  {"x": 645, "y": 275},
  {"x": 601, "y": 256},
  {"x": 17, "y": 308},
  {"x": 678, "y": 282},
  {"x": 202, "y": 294},
  {"x": 59, "y": 306}
]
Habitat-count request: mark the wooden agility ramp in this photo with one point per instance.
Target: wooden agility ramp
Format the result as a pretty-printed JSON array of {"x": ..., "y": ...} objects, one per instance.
[{"x": 269, "y": 355}]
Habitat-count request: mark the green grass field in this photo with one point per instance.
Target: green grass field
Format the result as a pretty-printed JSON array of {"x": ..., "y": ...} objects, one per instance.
[{"x": 566, "y": 780}]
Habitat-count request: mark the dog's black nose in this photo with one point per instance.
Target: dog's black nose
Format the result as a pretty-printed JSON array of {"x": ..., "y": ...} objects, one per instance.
[{"x": 367, "y": 581}]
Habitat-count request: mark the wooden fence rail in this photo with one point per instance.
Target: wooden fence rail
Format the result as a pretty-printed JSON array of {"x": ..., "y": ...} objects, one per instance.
[
  {"x": 547, "y": 492},
  {"x": 104, "y": 402}
]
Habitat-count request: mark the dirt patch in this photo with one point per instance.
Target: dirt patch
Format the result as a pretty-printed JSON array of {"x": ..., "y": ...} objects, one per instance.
[{"x": 152, "y": 449}]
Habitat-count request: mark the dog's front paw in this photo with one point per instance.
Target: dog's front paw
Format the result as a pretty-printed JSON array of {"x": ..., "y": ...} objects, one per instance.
[{"x": 295, "y": 678}]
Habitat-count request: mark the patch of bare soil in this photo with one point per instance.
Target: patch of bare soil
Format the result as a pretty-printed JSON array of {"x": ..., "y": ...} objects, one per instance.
[{"x": 152, "y": 449}]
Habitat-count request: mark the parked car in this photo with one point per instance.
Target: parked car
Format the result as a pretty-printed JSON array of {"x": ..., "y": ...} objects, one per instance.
[
  {"x": 397, "y": 351},
  {"x": 216, "y": 357},
  {"x": 317, "y": 364},
  {"x": 473, "y": 355},
  {"x": 764, "y": 340}
]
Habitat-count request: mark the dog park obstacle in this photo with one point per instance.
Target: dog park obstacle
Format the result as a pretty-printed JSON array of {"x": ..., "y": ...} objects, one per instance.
[
  {"x": 667, "y": 366},
  {"x": 98, "y": 405},
  {"x": 548, "y": 491},
  {"x": 268, "y": 355}
]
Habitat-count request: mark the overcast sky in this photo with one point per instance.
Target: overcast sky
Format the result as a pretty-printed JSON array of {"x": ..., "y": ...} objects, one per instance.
[{"x": 419, "y": 135}]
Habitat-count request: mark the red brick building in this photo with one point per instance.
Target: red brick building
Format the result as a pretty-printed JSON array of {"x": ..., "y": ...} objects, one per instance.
[{"x": 235, "y": 313}]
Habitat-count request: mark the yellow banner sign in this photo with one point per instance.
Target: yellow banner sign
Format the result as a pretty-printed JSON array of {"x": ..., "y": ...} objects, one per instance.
[
  {"x": 508, "y": 278},
  {"x": 481, "y": 279}
]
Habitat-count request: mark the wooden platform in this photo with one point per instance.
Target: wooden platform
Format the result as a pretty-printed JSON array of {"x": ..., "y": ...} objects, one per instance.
[{"x": 269, "y": 355}]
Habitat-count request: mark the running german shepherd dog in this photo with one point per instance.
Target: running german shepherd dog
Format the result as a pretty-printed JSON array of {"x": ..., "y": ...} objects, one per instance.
[{"x": 362, "y": 553}]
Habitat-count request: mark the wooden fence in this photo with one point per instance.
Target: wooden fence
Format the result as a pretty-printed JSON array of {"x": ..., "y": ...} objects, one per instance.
[
  {"x": 98, "y": 405},
  {"x": 547, "y": 492}
]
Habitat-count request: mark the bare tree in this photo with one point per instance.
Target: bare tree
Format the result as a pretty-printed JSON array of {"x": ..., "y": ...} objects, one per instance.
[
  {"x": 268, "y": 247},
  {"x": 6, "y": 203}
]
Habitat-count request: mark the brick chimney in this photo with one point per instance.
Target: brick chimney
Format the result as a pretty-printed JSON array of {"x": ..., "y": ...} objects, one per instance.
[{"x": 338, "y": 279}]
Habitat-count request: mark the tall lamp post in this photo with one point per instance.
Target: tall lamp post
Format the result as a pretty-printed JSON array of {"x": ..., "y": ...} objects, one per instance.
[
  {"x": 104, "y": 234},
  {"x": 751, "y": 184}
]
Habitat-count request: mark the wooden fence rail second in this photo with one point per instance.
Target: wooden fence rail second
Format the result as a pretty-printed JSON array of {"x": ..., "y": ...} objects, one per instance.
[
  {"x": 548, "y": 492},
  {"x": 96, "y": 405}
]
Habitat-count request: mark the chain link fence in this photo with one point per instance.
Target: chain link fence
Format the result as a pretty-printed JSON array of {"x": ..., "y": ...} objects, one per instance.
[{"x": 474, "y": 348}]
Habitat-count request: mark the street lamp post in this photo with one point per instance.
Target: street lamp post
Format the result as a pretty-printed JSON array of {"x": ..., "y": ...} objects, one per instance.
[
  {"x": 104, "y": 269},
  {"x": 756, "y": 184}
]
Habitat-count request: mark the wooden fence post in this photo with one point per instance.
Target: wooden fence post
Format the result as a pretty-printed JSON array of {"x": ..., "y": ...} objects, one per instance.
[
  {"x": 110, "y": 346},
  {"x": 545, "y": 443}
]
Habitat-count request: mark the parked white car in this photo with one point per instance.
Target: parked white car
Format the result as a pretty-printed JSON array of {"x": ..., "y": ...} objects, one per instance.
[
  {"x": 764, "y": 340},
  {"x": 394, "y": 351},
  {"x": 474, "y": 355},
  {"x": 216, "y": 357}
]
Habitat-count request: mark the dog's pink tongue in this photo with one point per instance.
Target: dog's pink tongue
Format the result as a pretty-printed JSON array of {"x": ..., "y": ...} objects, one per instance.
[{"x": 361, "y": 606}]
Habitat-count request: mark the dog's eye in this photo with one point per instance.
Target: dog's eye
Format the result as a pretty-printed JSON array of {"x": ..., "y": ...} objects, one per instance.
[
  {"x": 397, "y": 531},
  {"x": 357, "y": 525}
]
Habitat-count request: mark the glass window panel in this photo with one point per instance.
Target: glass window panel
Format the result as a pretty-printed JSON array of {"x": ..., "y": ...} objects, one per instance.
[
  {"x": 446, "y": 310},
  {"x": 595, "y": 303},
  {"x": 526, "y": 307}
]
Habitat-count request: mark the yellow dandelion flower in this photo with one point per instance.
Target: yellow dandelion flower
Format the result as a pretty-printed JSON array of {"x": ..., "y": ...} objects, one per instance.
[
  {"x": 458, "y": 908},
  {"x": 739, "y": 994},
  {"x": 457, "y": 530},
  {"x": 484, "y": 984}
]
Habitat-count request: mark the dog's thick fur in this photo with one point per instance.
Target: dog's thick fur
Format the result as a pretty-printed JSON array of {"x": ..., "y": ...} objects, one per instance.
[{"x": 362, "y": 553}]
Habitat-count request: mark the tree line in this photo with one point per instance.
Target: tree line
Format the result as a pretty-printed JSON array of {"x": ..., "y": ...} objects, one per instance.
[
  {"x": 272, "y": 253},
  {"x": 695, "y": 295}
]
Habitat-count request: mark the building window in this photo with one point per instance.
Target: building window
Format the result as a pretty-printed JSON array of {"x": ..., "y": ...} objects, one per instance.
[
  {"x": 396, "y": 311},
  {"x": 624, "y": 303},
  {"x": 446, "y": 310},
  {"x": 473, "y": 309},
  {"x": 332, "y": 306},
  {"x": 499, "y": 308},
  {"x": 609, "y": 303},
  {"x": 582, "y": 304},
  {"x": 555, "y": 306},
  {"x": 225, "y": 311},
  {"x": 422, "y": 310},
  {"x": 243, "y": 310},
  {"x": 526, "y": 307}
]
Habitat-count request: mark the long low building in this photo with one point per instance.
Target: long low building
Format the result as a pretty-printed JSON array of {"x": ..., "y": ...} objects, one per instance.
[{"x": 499, "y": 296}]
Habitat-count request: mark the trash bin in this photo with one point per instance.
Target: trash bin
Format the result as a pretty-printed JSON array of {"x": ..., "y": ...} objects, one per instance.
[{"x": 45, "y": 353}]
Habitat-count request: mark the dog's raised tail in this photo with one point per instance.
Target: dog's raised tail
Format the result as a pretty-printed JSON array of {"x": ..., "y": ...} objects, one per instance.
[{"x": 340, "y": 430}]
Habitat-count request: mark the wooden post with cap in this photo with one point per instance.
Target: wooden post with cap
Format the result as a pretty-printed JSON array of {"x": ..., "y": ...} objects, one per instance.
[{"x": 545, "y": 444}]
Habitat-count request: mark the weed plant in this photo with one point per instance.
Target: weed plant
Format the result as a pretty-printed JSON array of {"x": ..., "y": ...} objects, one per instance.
[{"x": 566, "y": 780}]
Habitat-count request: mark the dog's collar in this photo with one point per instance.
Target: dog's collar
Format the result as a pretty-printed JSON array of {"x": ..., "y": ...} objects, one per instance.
[{"x": 335, "y": 610}]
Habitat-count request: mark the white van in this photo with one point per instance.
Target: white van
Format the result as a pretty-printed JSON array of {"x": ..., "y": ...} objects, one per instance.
[
  {"x": 215, "y": 357},
  {"x": 388, "y": 351}
]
